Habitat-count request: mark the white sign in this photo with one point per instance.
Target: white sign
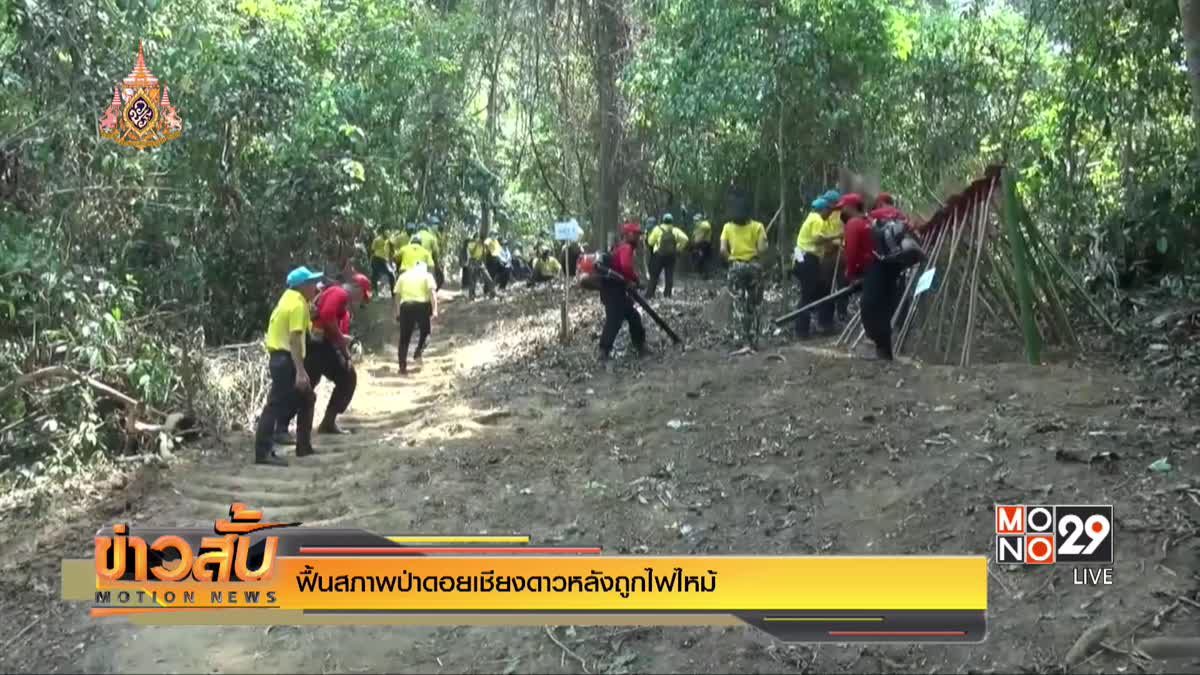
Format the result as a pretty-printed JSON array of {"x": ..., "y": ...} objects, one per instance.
[
  {"x": 568, "y": 230},
  {"x": 925, "y": 281}
]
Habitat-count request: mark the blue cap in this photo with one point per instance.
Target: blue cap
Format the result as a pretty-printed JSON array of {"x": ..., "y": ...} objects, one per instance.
[
  {"x": 832, "y": 196},
  {"x": 820, "y": 204},
  {"x": 302, "y": 275}
]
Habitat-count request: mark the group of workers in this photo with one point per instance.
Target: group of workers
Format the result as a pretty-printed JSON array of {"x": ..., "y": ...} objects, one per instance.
[
  {"x": 842, "y": 241},
  {"x": 392, "y": 253},
  {"x": 308, "y": 338},
  {"x": 308, "y": 334},
  {"x": 839, "y": 241}
]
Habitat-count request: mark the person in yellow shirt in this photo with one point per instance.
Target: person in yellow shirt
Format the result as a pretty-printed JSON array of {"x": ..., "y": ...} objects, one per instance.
[
  {"x": 412, "y": 253},
  {"x": 816, "y": 241},
  {"x": 743, "y": 240},
  {"x": 838, "y": 264},
  {"x": 545, "y": 268},
  {"x": 414, "y": 302},
  {"x": 429, "y": 239},
  {"x": 701, "y": 244},
  {"x": 477, "y": 257},
  {"x": 399, "y": 239},
  {"x": 664, "y": 242},
  {"x": 381, "y": 253},
  {"x": 495, "y": 267},
  {"x": 291, "y": 390}
]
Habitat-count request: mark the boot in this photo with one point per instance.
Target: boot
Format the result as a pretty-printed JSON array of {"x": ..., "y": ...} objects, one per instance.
[
  {"x": 305, "y": 452},
  {"x": 271, "y": 460},
  {"x": 329, "y": 426}
]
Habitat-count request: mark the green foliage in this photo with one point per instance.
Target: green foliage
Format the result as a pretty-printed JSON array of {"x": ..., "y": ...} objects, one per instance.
[{"x": 310, "y": 124}]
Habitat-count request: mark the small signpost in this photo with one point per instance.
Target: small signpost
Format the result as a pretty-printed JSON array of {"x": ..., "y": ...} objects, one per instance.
[{"x": 566, "y": 231}]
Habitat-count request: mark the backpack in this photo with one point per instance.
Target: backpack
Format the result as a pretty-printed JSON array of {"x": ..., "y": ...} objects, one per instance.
[
  {"x": 595, "y": 271},
  {"x": 895, "y": 241},
  {"x": 666, "y": 243}
]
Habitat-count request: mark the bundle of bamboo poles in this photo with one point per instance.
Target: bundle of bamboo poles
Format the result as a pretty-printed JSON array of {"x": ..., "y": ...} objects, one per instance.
[{"x": 992, "y": 269}]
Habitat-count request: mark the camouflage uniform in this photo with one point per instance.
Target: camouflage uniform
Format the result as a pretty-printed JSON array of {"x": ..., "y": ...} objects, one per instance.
[{"x": 745, "y": 282}]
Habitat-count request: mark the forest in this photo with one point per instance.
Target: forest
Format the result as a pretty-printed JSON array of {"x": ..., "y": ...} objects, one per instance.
[{"x": 311, "y": 124}]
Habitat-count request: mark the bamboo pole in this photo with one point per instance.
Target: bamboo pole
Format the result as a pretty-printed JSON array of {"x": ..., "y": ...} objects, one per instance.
[
  {"x": 931, "y": 263},
  {"x": 966, "y": 282},
  {"x": 984, "y": 212},
  {"x": 959, "y": 233},
  {"x": 1084, "y": 295},
  {"x": 949, "y": 273}
]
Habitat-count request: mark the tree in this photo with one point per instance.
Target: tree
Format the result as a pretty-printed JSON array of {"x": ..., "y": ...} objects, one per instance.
[
  {"x": 1189, "y": 15},
  {"x": 609, "y": 37}
]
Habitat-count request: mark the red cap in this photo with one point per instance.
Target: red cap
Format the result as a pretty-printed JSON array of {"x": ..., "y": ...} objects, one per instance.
[
  {"x": 364, "y": 283},
  {"x": 884, "y": 199},
  {"x": 631, "y": 228},
  {"x": 852, "y": 199}
]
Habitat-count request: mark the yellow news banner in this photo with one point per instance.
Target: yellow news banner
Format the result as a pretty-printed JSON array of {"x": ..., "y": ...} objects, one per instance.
[{"x": 580, "y": 584}]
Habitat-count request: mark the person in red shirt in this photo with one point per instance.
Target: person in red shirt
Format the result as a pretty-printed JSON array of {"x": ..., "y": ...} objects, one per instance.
[
  {"x": 880, "y": 277},
  {"x": 328, "y": 352},
  {"x": 614, "y": 293},
  {"x": 860, "y": 249}
]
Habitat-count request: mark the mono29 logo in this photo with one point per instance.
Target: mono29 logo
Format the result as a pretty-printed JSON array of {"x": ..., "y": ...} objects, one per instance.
[{"x": 1045, "y": 535}]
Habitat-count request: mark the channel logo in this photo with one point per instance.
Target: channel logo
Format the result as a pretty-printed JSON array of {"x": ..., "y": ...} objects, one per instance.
[{"x": 1046, "y": 535}]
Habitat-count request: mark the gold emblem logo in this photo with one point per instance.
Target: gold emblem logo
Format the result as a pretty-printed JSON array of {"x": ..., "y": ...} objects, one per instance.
[{"x": 140, "y": 115}]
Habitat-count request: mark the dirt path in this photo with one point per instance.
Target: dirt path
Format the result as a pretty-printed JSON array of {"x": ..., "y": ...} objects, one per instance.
[{"x": 798, "y": 450}]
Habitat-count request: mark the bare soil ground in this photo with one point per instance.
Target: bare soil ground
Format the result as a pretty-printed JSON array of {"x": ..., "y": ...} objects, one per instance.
[{"x": 799, "y": 449}]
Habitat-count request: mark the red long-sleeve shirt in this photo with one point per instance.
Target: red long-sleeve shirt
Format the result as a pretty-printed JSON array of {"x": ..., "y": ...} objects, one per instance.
[
  {"x": 860, "y": 247},
  {"x": 622, "y": 261},
  {"x": 333, "y": 315}
]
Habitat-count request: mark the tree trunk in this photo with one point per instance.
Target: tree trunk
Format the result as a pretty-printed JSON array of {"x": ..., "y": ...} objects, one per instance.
[
  {"x": 485, "y": 220},
  {"x": 608, "y": 33},
  {"x": 1189, "y": 14}
]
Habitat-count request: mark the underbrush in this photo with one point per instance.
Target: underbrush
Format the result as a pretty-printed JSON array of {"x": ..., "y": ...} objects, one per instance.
[{"x": 91, "y": 375}]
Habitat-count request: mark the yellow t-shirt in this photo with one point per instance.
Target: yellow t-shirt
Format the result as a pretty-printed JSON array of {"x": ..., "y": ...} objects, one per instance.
[
  {"x": 815, "y": 226},
  {"x": 399, "y": 241},
  {"x": 411, "y": 254},
  {"x": 414, "y": 286},
  {"x": 548, "y": 266},
  {"x": 476, "y": 250},
  {"x": 656, "y": 235},
  {"x": 289, "y": 316},
  {"x": 703, "y": 232},
  {"x": 743, "y": 239},
  {"x": 493, "y": 247},
  {"x": 380, "y": 247},
  {"x": 835, "y": 221},
  {"x": 430, "y": 241}
]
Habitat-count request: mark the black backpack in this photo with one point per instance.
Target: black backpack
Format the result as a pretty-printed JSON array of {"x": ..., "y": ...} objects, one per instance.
[
  {"x": 666, "y": 242},
  {"x": 895, "y": 241}
]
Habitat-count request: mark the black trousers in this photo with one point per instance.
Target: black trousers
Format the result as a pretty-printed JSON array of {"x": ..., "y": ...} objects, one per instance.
[
  {"x": 661, "y": 265},
  {"x": 379, "y": 268},
  {"x": 498, "y": 272},
  {"x": 323, "y": 360},
  {"x": 880, "y": 295},
  {"x": 814, "y": 285},
  {"x": 413, "y": 316},
  {"x": 284, "y": 401},
  {"x": 477, "y": 271},
  {"x": 701, "y": 255},
  {"x": 619, "y": 309}
]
